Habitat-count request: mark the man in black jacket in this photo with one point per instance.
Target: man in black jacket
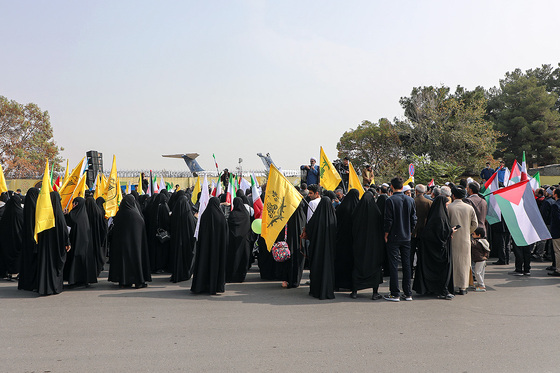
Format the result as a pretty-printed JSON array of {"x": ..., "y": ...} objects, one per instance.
[{"x": 399, "y": 222}]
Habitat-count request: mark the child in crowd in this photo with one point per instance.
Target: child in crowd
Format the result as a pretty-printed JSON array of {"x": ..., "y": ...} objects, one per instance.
[{"x": 480, "y": 250}]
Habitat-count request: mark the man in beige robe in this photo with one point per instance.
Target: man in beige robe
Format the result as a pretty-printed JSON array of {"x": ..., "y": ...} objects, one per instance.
[{"x": 463, "y": 214}]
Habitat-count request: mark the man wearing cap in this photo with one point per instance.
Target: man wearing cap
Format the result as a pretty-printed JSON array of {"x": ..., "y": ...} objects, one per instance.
[
  {"x": 312, "y": 172},
  {"x": 486, "y": 172},
  {"x": 462, "y": 214}
]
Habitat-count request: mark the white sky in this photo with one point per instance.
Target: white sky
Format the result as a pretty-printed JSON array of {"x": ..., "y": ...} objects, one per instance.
[{"x": 139, "y": 79}]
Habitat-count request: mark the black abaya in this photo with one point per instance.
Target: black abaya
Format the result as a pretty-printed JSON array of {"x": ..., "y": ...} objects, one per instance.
[
  {"x": 209, "y": 271},
  {"x": 321, "y": 231},
  {"x": 28, "y": 263},
  {"x": 181, "y": 249},
  {"x": 239, "y": 249},
  {"x": 434, "y": 263},
  {"x": 81, "y": 263},
  {"x": 11, "y": 236},
  {"x": 344, "y": 258},
  {"x": 158, "y": 218},
  {"x": 292, "y": 268},
  {"x": 51, "y": 252},
  {"x": 98, "y": 230},
  {"x": 368, "y": 237},
  {"x": 130, "y": 262}
]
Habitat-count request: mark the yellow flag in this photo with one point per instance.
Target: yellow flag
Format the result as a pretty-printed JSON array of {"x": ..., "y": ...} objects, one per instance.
[
  {"x": 139, "y": 188},
  {"x": 119, "y": 192},
  {"x": 44, "y": 215},
  {"x": 104, "y": 184},
  {"x": 67, "y": 189},
  {"x": 3, "y": 186},
  {"x": 112, "y": 199},
  {"x": 410, "y": 180},
  {"x": 65, "y": 173},
  {"x": 280, "y": 202},
  {"x": 196, "y": 190},
  {"x": 98, "y": 186},
  {"x": 354, "y": 180},
  {"x": 79, "y": 191},
  {"x": 329, "y": 175}
]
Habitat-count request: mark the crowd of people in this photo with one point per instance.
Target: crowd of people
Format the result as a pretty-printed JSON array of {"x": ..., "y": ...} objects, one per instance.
[{"x": 437, "y": 236}]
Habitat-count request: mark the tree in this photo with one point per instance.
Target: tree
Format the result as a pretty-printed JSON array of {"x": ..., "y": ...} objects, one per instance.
[
  {"x": 449, "y": 128},
  {"x": 376, "y": 144},
  {"x": 26, "y": 139},
  {"x": 525, "y": 114}
]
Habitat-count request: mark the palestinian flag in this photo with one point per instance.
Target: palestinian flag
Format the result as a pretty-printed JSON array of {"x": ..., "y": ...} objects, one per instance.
[
  {"x": 431, "y": 183},
  {"x": 521, "y": 214},
  {"x": 256, "y": 196},
  {"x": 493, "y": 214},
  {"x": 515, "y": 175}
]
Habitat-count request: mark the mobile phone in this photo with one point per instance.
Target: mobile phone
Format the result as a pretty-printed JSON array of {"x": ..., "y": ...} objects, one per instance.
[{"x": 457, "y": 226}]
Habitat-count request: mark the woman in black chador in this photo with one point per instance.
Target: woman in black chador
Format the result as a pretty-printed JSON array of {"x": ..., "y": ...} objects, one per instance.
[
  {"x": 181, "y": 228},
  {"x": 11, "y": 237},
  {"x": 81, "y": 262},
  {"x": 130, "y": 262},
  {"x": 239, "y": 249},
  {"x": 51, "y": 252},
  {"x": 28, "y": 263},
  {"x": 367, "y": 232},
  {"x": 344, "y": 261},
  {"x": 98, "y": 229},
  {"x": 292, "y": 268},
  {"x": 209, "y": 271},
  {"x": 434, "y": 263},
  {"x": 158, "y": 218},
  {"x": 321, "y": 232}
]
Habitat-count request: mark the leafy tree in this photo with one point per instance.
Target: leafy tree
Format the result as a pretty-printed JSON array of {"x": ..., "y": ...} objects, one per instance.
[
  {"x": 526, "y": 115},
  {"x": 426, "y": 169},
  {"x": 377, "y": 144},
  {"x": 26, "y": 139},
  {"x": 446, "y": 127}
]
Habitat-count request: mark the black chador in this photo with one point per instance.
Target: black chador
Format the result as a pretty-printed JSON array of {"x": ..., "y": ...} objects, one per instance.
[
  {"x": 81, "y": 262},
  {"x": 209, "y": 270},
  {"x": 367, "y": 232},
  {"x": 51, "y": 252},
  {"x": 239, "y": 249},
  {"x": 130, "y": 262},
  {"x": 321, "y": 231},
  {"x": 28, "y": 264},
  {"x": 181, "y": 228},
  {"x": 11, "y": 236},
  {"x": 344, "y": 259}
]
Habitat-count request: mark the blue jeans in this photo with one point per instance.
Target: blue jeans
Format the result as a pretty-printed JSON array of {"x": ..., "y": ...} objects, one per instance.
[{"x": 393, "y": 249}]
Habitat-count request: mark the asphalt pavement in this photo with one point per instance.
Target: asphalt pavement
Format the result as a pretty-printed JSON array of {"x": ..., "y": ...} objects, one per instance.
[{"x": 258, "y": 326}]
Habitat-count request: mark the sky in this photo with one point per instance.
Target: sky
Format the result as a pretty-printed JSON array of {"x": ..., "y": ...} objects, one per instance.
[{"x": 139, "y": 79}]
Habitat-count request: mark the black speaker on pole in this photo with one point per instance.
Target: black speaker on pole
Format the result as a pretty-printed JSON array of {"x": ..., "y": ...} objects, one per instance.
[{"x": 95, "y": 165}]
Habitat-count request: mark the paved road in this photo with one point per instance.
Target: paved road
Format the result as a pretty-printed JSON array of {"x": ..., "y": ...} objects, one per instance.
[{"x": 260, "y": 327}]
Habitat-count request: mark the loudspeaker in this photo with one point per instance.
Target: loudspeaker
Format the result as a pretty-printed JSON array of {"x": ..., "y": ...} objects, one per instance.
[{"x": 95, "y": 165}]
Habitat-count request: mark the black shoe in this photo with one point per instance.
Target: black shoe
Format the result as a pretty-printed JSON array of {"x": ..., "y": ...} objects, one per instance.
[
  {"x": 551, "y": 268},
  {"x": 354, "y": 295},
  {"x": 554, "y": 273},
  {"x": 376, "y": 296},
  {"x": 499, "y": 263},
  {"x": 462, "y": 292}
]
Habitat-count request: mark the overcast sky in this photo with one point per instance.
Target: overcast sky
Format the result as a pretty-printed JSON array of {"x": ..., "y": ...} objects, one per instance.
[{"x": 139, "y": 79}]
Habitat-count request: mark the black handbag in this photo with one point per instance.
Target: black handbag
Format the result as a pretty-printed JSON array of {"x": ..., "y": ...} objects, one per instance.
[{"x": 162, "y": 235}]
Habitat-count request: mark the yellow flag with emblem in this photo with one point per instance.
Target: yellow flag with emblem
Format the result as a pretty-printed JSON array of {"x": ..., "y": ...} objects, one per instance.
[
  {"x": 280, "y": 202},
  {"x": 65, "y": 173},
  {"x": 44, "y": 215},
  {"x": 3, "y": 186},
  {"x": 112, "y": 201},
  {"x": 354, "y": 180},
  {"x": 79, "y": 191},
  {"x": 196, "y": 190},
  {"x": 67, "y": 189},
  {"x": 329, "y": 175}
]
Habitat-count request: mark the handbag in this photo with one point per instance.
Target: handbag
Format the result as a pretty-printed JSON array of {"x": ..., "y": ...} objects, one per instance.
[
  {"x": 280, "y": 250},
  {"x": 162, "y": 235}
]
